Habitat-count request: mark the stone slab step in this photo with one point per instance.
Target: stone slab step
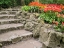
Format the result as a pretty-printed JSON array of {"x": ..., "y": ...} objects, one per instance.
[
  {"x": 10, "y": 9},
  {"x": 31, "y": 43},
  {"x": 9, "y": 21},
  {"x": 9, "y": 27},
  {"x": 12, "y": 12},
  {"x": 7, "y": 16},
  {"x": 7, "y": 12},
  {"x": 14, "y": 36},
  {"x": 3, "y": 12}
]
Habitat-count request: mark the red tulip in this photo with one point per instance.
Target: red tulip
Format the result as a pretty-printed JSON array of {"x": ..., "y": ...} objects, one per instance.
[
  {"x": 58, "y": 15},
  {"x": 55, "y": 22},
  {"x": 53, "y": 7},
  {"x": 63, "y": 23},
  {"x": 47, "y": 7}
]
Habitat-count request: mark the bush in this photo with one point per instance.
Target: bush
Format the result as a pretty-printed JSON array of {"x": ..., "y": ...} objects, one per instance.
[
  {"x": 27, "y": 1},
  {"x": 26, "y": 8},
  {"x": 8, "y": 3},
  {"x": 52, "y": 1},
  {"x": 30, "y": 8},
  {"x": 48, "y": 16}
]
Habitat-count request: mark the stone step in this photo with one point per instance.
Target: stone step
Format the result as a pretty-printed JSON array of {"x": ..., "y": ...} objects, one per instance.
[
  {"x": 3, "y": 12},
  {"x": 10, "y": 9},
  {"x": 9, "y": 27},
  {"x": 31, "y": 43},
  {"x": 9, "y": 21},
  {"x": 12, "y": 12},
  {"x": 4, "y": 16},
  {"x": 14, "y": 36},
  {"x": 7, "y": 12}
]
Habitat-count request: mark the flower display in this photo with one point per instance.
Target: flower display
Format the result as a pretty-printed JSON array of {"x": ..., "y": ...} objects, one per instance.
[
  {"x": 34, "y": 4},
  {"x": 62, "y": 6},
  {"x": 58, "y": 15},
  {"x": 53, "y": 7},
  {"x": 56, "y": 23},
  {"x": 50, "y": 13},
  {"x": 40, "y": 5},
  {"x": 48, "y": 7}
]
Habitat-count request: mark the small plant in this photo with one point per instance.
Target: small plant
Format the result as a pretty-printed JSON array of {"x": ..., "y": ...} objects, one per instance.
[
  {"x": 34, "y": 8},
  {"x": 30, "y": 8},
  {"x": 48, "y": 16},
  {"x": 26, "y": 8}
]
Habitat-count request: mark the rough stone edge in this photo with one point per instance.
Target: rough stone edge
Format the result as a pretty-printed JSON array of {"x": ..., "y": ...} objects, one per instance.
[{"x": 15, "y": 40}]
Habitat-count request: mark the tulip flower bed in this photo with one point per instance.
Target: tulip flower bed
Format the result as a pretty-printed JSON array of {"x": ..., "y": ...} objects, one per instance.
[{"x": 50, "y": 13}]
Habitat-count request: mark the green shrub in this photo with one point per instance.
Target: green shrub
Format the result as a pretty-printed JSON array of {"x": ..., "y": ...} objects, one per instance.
[
  {"x": 34, "y": 9},
  {"x": 30, "y": 8},
  {"x": 48, "y": 16},
  {"x": 26, "y": 8},
  {"x": 52, "y": 1},
  {"x": 8, "y": 3},
  {"x": 27, "y": 1}
]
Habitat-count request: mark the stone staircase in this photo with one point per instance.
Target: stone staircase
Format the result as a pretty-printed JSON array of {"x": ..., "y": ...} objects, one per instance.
[{"x": 12, "y": 34}]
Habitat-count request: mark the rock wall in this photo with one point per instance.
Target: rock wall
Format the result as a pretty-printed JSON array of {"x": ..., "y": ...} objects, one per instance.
[{"x": 47, "y": 35}]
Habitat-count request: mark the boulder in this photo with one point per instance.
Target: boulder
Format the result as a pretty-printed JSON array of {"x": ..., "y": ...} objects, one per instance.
[
  {"x": 27, "y": 17},
  {"x": 29, "y": 26},
  {"x": 44, "y": 35},
  {"x": 43, "y": 45},
  {"x": 32, "y": 17},
  {"x": 36, "y": 15},
  {"x": 18, "y": 13},
  {"x": 62, "y": 45},
  {"x": 63, "y": 37},
  {"x": 50, "y": 39},
  {"x": 35, "y": 23},
  {"x": 36, "y": 31},
  {"x": 53, "y": 39},
  {"x": 28, "y": 14},
  {"x": 25, "y": 13},
  {"x": 22, "y": 14},
  {"x": 0, "y": 45}
]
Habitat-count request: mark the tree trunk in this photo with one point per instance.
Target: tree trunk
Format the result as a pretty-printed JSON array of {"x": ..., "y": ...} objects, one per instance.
[
  {"x": 36, "y": 0},
  {"x": 22, "y": 2}
]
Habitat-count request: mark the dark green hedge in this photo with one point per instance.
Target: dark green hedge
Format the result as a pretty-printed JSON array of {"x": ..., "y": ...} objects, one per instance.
[
  {"x": 27, "y": 1},
  {"x": 9, "y": 3},
  {"x": 52, "y": 1},
  {"x": 12, "y": 3}
]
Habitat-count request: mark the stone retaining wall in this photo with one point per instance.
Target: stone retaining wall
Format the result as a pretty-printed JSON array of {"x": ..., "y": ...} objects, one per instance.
[{"x": 47, "y": 35}]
